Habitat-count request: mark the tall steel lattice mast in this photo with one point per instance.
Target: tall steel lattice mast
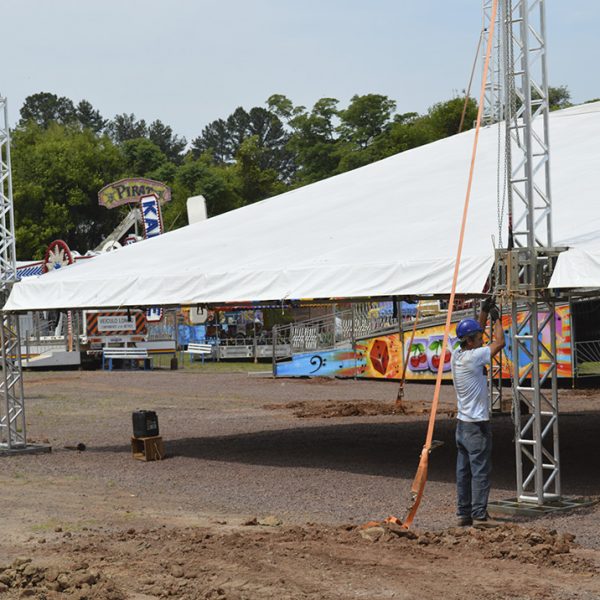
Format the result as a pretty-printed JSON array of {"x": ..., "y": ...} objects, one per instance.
[
  {"x": 493, "y": 112},
  {"x": 12, "y": 406},
  {"x": 526, "y": 266},
  {"x": 493, "y": 108}
]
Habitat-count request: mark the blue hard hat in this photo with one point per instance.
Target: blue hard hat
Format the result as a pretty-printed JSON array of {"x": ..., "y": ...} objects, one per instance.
[{"x": 468, "y": 327}]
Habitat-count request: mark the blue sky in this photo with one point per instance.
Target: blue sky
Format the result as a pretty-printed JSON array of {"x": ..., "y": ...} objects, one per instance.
[{"x": 189, "y": 62}]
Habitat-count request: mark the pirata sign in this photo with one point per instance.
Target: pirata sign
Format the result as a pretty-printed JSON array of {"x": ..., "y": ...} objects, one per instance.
[{"x": 131, "y": 191}]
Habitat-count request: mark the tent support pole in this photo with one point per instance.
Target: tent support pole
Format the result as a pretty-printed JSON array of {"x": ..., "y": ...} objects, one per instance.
[
  {"x": 274, "y": 350},
  {"x": 13, "y": 435},
  {"x": 354, "y": 341},
  {"x": 526, "y": 266}
]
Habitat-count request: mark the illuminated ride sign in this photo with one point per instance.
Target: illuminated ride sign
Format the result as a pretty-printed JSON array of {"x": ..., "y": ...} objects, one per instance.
[{"x": 131, "y": 191}]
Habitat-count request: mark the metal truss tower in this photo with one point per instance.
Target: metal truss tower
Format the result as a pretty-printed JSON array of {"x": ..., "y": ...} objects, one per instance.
[
  {"x": 526, "y": 266},
  {"x": 493, "y": 112},
  {"x": 12, "y": 406},
  {"x": 493, "y": 108}
]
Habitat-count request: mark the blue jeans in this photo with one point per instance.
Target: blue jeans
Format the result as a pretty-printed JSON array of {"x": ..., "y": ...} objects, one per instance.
[{"x": 473, "y": 468}]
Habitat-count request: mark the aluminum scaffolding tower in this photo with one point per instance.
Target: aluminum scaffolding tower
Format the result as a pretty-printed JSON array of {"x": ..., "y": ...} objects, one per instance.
[
  {"x": 493, "y": 105},
  {"x": 12, "y": 406},
  {"x": 525, "y": 267},
  {"x": 493, "y": 112}
]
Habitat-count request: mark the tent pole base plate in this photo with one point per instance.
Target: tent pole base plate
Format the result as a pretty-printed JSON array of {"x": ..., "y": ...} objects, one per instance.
[
  {"x": 513, "y": 507},
  {"x": 28, "y": 449}
]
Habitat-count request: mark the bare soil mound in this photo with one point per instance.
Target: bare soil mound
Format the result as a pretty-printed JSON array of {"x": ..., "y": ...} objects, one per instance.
[
  {"x": 309, "y": 561},
  {"x": 355, "y": 408},
  {"x": 100, "y": 525}
]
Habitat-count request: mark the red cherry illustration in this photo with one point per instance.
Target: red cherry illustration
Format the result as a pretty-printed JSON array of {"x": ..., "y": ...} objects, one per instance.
[
  {"x": 447, "y": 356},
  {"x": 414, "y": 361},
  {"x": 435, "y": 361},
  {"x": 422, "y": 359}
]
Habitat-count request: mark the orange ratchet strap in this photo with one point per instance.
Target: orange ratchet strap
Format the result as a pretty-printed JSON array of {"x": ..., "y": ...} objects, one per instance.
[{"x": 420, "y": 480}]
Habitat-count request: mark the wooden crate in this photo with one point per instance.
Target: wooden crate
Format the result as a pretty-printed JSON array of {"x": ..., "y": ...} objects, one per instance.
[{"x": 148, "y": 448}]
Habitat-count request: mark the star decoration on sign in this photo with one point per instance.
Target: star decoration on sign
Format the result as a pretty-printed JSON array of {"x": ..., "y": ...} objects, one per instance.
[{"x": 57, "y": 256}]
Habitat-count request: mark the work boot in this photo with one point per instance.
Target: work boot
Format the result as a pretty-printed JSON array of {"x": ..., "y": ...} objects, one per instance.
[
  {"x": 464, "y": 521},
  {"x": 485, "y": 522}
]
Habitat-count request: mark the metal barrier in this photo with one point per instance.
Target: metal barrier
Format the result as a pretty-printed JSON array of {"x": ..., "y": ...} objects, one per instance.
[
  {"x": 331, "y": 331},
  {"x": 343, "y": 329},
  {"x": 32, "y": 346}
]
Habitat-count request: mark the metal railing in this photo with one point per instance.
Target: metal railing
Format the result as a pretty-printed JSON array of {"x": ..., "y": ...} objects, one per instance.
[
  {"x": 345, "y": 328},
  {"x": 39, "y": 345},
  {"x": 331, "y": 331}
]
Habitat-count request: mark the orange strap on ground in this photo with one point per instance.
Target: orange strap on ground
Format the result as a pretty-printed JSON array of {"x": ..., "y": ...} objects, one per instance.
[{"x": 421, "y": 477}]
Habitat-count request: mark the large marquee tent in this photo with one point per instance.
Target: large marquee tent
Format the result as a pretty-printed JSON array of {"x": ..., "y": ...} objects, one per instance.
[{"x": 386, "y": 229}]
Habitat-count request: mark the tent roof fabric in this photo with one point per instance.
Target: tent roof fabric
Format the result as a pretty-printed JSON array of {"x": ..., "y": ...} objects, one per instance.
[
  {"x": 389, "y": 228},
  {"x": 577, "y": 268}
]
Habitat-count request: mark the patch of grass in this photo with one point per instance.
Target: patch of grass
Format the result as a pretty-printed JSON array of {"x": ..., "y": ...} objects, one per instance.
[
  {"x": 130, "y": 514},
  {"x": 52, "y": 524},
  {"x": 56, "y": 398},
  {"x": 589, "y": 368},
  {"x": 227, "y": 367},
  {"x": 164, "y": 362},
  {"x": 49, "y": 525}
]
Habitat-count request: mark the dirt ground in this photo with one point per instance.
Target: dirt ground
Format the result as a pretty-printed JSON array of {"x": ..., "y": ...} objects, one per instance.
[{"x": 264, "y": 491}]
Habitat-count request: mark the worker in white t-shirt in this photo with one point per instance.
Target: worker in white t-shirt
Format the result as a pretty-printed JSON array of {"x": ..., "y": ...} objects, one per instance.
[{"x": 473, "y": 432}]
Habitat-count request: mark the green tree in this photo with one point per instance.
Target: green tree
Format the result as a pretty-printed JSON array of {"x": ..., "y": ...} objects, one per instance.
[
  {"x": 559, "y": 97},
  {"x": 57, "y": 173},
  {"x": 366, "y": 118},
  {"x": 223, "y": 139},
  {"x": 213, "y": 141},
  {"x": 171, "y": 145},
  {"x": 45, "y": 108},
  {"x": 88, "y": 117},
  {"x": 312, "y": 139},
  {"x": 444, "y": 117},
  {"x": 283, "y": 107},
  {"x": 257, "y": 182},
  {"x": 410, "y": 130},
  {"x": 364, "y": 131},
  {"x": 141, "y": 156},
  {"x": 217, "y": 183},
  {"x": 126, "y": 127}
]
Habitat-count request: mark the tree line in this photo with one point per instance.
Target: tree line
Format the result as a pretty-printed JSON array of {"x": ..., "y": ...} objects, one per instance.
[{"x": 63, "y": 153}]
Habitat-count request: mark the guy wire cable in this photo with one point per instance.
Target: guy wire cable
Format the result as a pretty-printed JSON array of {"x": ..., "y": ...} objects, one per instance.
[
  {"x": 468, "y": 92},
  {"x": 405, "y": 357}
]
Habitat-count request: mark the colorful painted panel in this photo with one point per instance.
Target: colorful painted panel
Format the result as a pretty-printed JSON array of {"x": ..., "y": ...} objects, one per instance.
[
  {"x": 381, "y": 357},
  {"x": 332, "y": 363},
  {"x": 563, "y": 344}
]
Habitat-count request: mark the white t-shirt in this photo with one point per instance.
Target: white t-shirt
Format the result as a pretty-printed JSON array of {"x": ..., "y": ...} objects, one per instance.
[{"x": 471, "y": 384}]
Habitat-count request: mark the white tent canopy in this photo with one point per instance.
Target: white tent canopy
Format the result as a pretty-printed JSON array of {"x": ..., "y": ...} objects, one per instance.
[
  {"x": 389, "y": 228},
  {"x": 578, "y": 267}
]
